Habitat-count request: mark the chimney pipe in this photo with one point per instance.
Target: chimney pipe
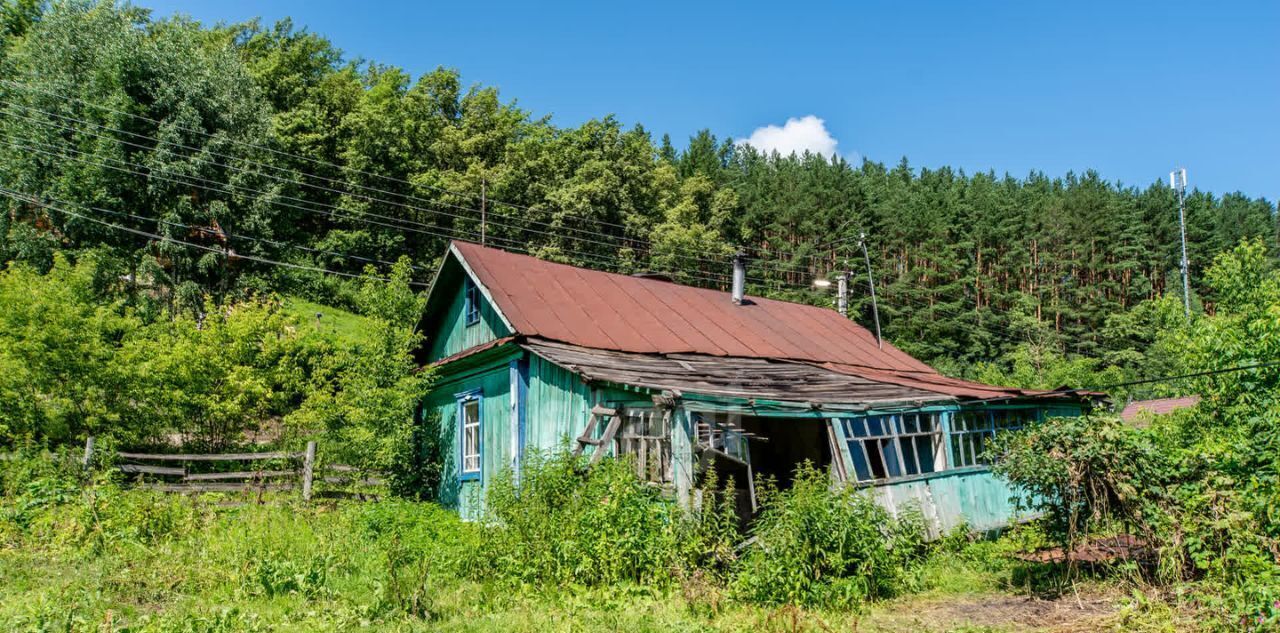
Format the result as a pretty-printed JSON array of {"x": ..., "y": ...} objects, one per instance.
[{"x": 739, "y": 277}]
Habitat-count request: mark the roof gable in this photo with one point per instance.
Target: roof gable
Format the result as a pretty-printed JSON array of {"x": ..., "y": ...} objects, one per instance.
[{"x": 444, "y": 319}]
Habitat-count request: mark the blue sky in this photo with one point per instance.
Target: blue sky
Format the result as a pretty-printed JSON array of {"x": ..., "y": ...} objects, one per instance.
[{"x": 1131, "y": 89}]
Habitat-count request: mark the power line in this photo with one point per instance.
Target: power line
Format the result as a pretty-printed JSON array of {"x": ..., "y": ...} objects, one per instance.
[
  {"x": 22, "y": 197},
  {"x": 241, "y": 170},
  {"x": 74, "y": 154},
  {"x": 557, "y": 227},
  {"x": 1145, "y": 381},
  {"x": 163, "y": 146},
  {"x": 258, "y": 239},
  {"x": 314, "y": 161},
  {"x": 225, "y": 188}
]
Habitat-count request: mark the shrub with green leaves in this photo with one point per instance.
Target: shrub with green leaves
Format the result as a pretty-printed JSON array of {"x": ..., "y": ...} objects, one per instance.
[
  {"x": 819, "y": 545},
  {"x": 1066, "y": 470},
  {"x": 560, "y": 523}
]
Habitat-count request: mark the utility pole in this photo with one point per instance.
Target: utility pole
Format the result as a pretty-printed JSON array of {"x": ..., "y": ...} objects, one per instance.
[
  {"x": 842, "y": 292},
  {"x": 1178, "y": 181},
  {"x": 875, "y": 308},
  {"x": 483, "y": 200}
]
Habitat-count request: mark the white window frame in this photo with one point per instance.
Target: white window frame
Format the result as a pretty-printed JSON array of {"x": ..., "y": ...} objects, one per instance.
[{"x": 470, "y": 457}]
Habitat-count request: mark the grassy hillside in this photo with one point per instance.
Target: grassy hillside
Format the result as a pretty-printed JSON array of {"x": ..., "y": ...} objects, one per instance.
[{"x": 335, "y": 323}]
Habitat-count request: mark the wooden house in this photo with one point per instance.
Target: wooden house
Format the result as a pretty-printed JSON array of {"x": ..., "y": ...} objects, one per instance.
[{"x": 532, "y": 355}]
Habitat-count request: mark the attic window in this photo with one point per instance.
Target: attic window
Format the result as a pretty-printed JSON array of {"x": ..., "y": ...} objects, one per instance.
[{"x": 471, "y": 309}]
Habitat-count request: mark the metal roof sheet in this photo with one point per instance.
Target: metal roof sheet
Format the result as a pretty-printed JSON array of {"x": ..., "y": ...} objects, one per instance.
[
  {"x": 632, "y": 314},
  {"x": 1160, "y": 406},
  {"x": 554, "y": 302}
]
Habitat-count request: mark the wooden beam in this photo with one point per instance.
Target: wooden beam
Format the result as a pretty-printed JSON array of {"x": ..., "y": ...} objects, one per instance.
[
  {"x": 606, "y": 438},
  {"x": 151, "y": 470},
  {"x": 241, "y": 474},
  {"x": 230, "y": 457}
]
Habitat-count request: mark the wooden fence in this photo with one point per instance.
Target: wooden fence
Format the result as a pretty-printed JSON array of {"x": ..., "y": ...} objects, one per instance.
[{"x": 249, "y": 472}]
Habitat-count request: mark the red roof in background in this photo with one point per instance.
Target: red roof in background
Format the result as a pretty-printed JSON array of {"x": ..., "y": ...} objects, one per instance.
[
  {"x": 1160, "y": 406},
  {"x": 610, "y": 311}
]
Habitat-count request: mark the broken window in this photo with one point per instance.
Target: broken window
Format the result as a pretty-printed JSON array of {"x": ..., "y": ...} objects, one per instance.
[
  {"x": 920, "y": 440},
  {"x": 888, "y": 446},
  {"x": 645, "y": 433},
  {"x": 972, "y": 432}
]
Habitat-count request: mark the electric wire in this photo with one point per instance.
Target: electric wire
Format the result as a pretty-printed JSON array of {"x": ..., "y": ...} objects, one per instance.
[
  {"x": 335, "y": 211},
  {"x": 23, "y": 197},
  {"x": 557, "y": 227}
]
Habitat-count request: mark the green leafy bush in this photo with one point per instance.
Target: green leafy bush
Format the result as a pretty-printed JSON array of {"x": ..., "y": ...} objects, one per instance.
[
  {"x": 819, "y": 545},
  {"x": 558, "y": 523}
]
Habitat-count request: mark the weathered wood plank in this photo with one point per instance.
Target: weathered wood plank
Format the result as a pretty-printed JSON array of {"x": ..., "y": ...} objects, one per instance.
[
  {"x": 606, "y": 438},
  {"x": 206, "y": 457},
  {"x": 218, "y": 487},
  {"x": 241, "y": 474},
  {"x": 151, "y": 470},
  {"x": 367, "y": 481}
]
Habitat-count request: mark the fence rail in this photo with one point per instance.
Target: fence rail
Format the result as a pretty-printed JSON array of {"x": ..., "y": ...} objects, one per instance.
[{"x": 170, "y": 472}]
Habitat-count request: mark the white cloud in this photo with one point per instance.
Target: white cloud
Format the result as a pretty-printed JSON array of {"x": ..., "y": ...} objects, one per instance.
[{"x": 796, "y": 135}]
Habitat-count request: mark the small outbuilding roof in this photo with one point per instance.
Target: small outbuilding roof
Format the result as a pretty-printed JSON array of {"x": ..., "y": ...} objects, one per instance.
[{"x": 1160, "y": 406}]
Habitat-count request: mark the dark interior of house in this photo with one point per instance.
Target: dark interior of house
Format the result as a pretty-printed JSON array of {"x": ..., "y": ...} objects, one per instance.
[{"x": 785, "y": 443}]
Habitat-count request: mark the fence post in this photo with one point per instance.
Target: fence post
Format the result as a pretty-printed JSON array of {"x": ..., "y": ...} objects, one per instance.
[
  {"x": 308, "y": 467},
  {"x": 88, "y": 453}
]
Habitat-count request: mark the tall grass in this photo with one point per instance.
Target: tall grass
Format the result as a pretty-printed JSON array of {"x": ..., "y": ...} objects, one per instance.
[{"x": 562, "y": 548}]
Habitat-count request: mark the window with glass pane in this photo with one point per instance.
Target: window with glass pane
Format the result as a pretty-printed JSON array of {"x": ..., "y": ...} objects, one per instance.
[
  {"x": 472, "y": 302},
  {"x": 972, "y": 432},
  {"x": 920, "y": 441},
  {"x": 471, "y": 435},
  {"x": 874, "y": 448}
]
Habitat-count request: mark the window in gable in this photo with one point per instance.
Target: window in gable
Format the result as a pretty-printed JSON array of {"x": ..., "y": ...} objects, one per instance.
[{"x": 472, "y": 302}]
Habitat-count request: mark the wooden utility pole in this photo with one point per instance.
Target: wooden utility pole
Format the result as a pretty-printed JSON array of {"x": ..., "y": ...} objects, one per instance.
[
  {"x": 875, "y": 307},
  {"x": 483, "y": 210}
]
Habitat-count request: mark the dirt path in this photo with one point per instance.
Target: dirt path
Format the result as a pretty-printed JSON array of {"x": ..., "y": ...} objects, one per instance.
[{"x": 996, "y": 612}]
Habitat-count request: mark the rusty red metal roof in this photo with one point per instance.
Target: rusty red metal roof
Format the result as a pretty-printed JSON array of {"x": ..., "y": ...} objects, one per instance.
[
  {"x": 609, "y": 311},
  {"x": 604, "y": 310},
  {"x": 1159, "y": 406}
]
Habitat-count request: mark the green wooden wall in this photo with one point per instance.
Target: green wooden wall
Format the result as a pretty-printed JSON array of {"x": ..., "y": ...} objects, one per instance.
[
  {"x": 971, "y": 497},
  {"x": 454, "y": 335},
  {"x": 557, "y": 406},
  {"x": 497, "y": 450}
]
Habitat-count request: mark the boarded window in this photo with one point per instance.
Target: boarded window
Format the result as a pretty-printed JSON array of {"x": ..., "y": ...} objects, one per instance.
[{"x": 470, "y": 412}]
